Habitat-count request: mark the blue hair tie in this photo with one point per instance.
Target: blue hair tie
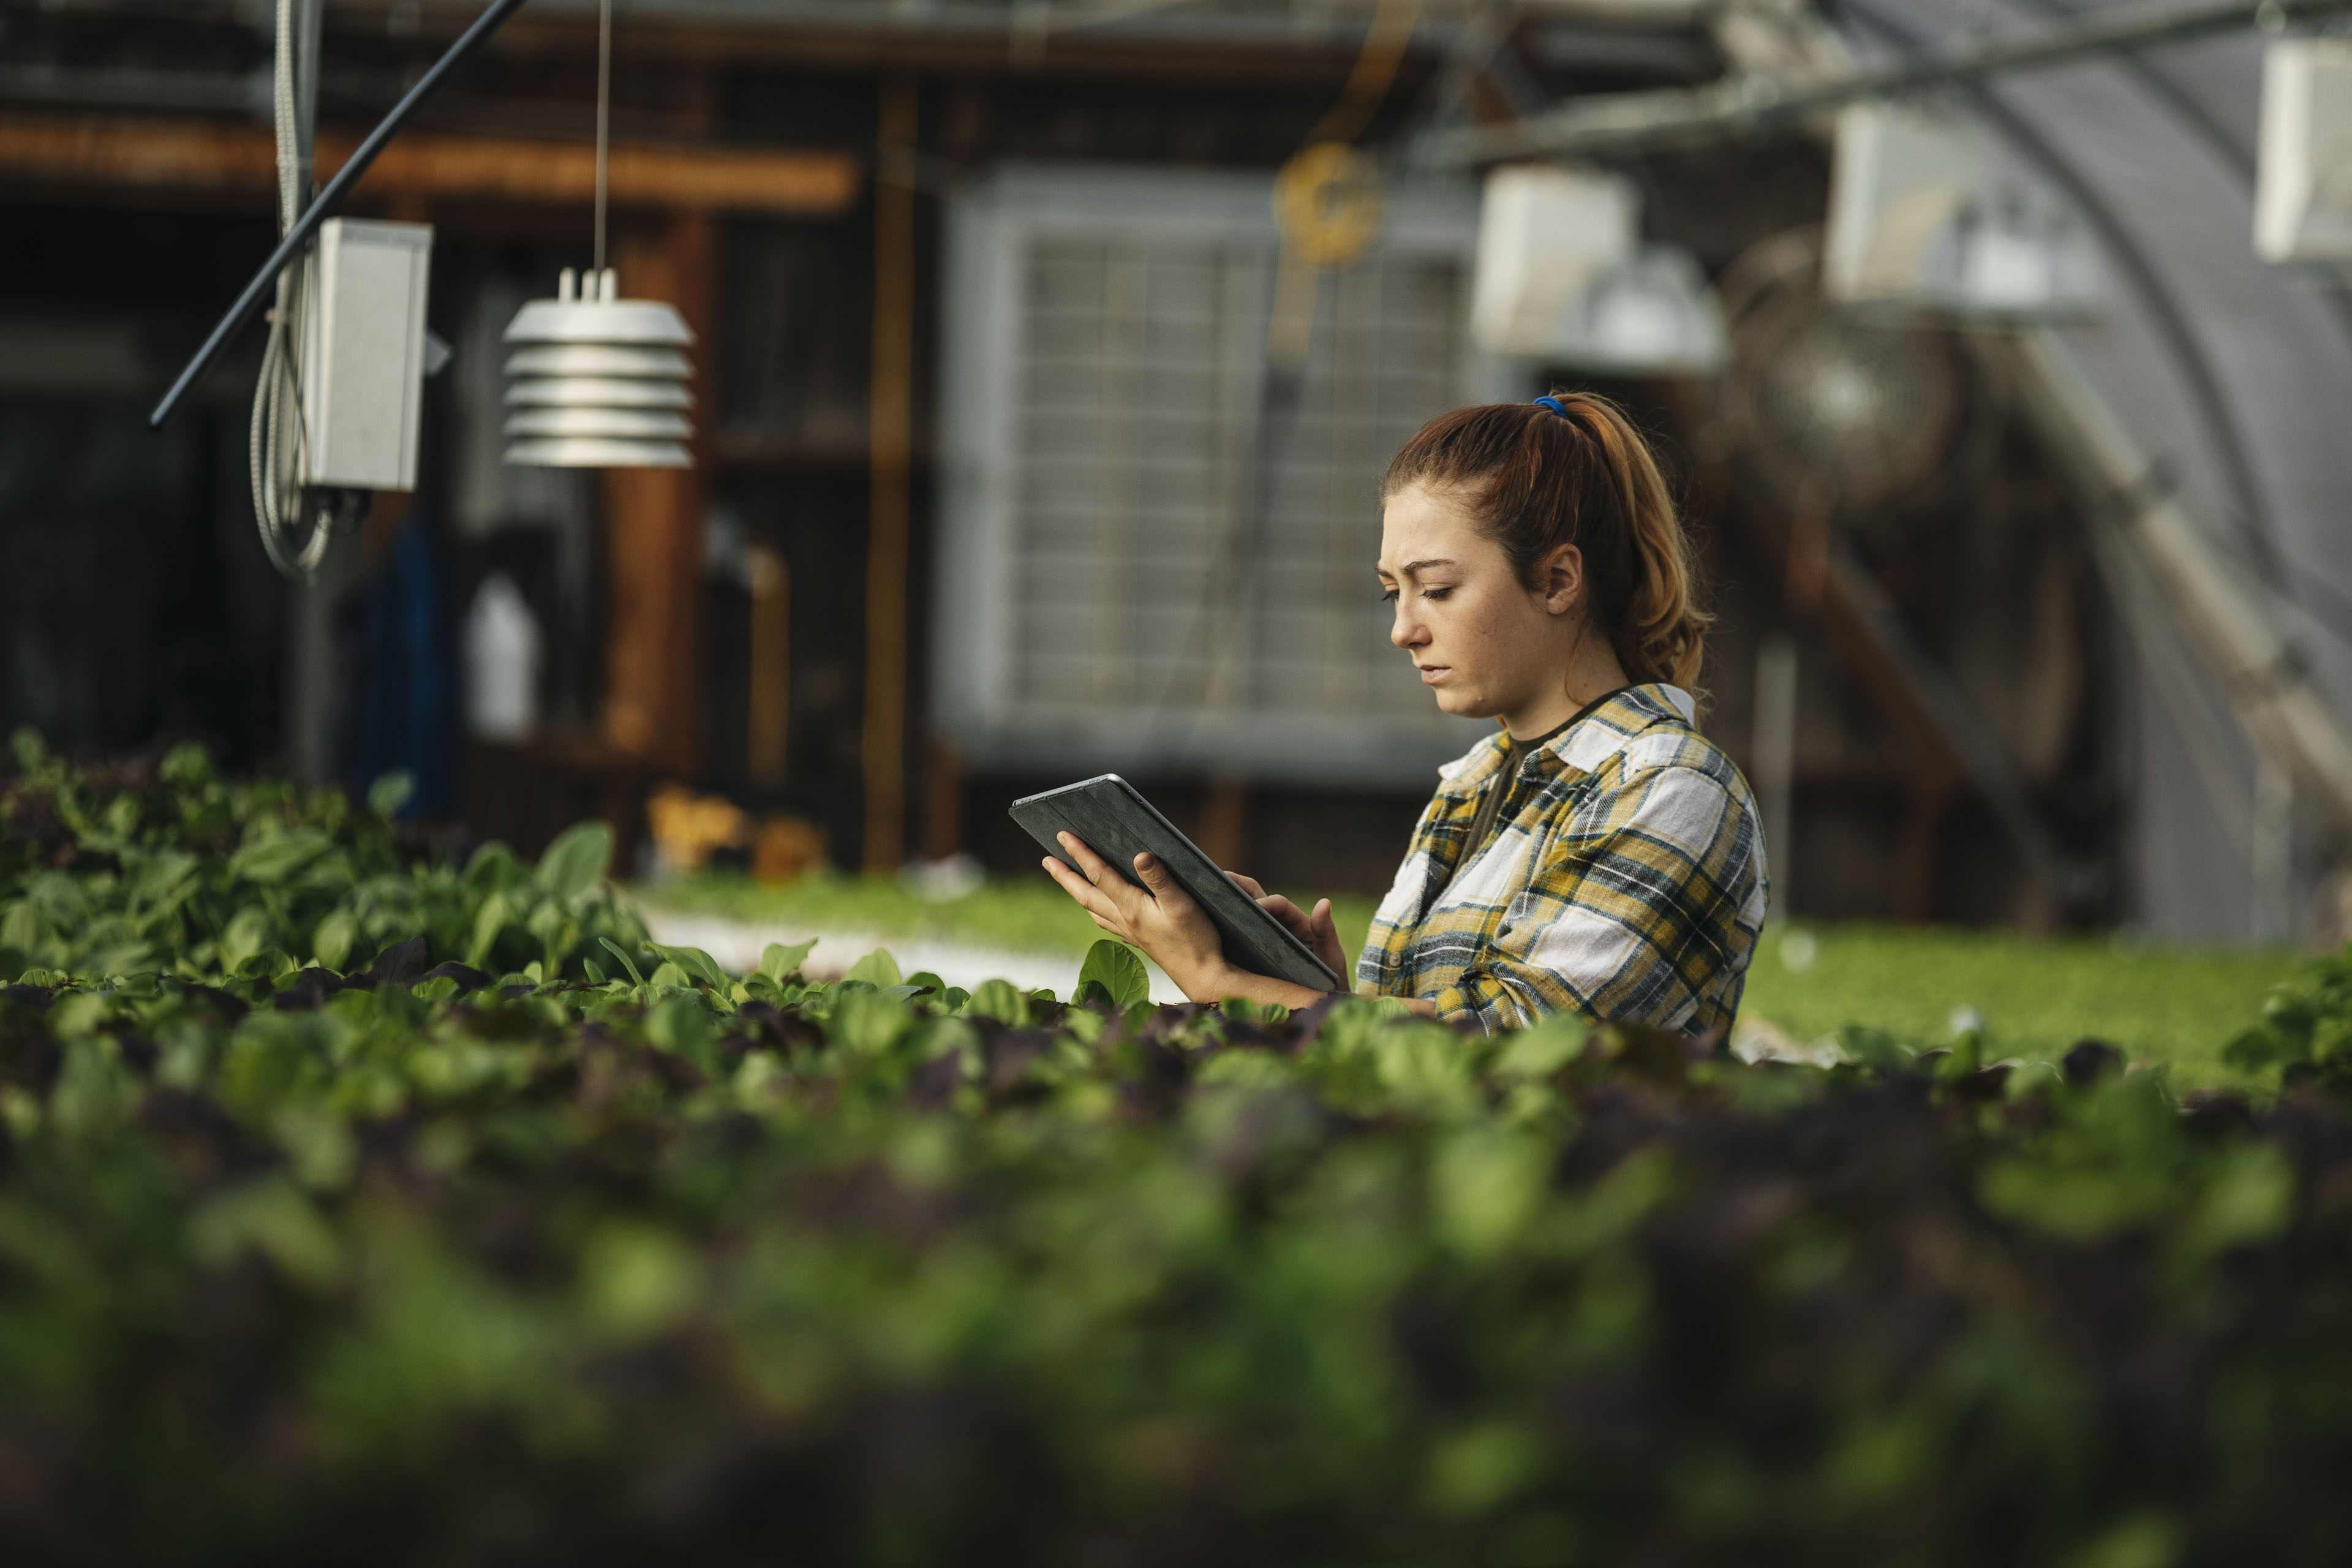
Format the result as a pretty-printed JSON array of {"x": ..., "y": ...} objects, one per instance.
[{"x": 1552, "y": 403}]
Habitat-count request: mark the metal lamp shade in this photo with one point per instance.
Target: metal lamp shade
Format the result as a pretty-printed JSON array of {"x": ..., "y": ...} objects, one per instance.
[{"x": 598, "y": 382}]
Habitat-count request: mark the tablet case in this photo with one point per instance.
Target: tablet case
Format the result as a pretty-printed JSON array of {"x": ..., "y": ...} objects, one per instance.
[{"x": 1119, "y": 824}]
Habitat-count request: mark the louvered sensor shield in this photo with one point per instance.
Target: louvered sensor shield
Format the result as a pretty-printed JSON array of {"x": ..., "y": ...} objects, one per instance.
[{"x": 597, "y": 381}]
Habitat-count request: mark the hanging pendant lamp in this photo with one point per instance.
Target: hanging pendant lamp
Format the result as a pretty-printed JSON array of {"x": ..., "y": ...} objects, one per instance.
[{"x": 597, "y": 381}]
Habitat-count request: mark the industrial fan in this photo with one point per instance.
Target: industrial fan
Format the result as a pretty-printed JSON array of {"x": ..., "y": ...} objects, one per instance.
[{"x": 1835, "y": 410}]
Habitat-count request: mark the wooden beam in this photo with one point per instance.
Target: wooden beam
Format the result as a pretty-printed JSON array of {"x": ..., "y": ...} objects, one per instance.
[
  {"x": 128, "y": 151},
  {"x": 653, "y": 527},
  {"x": 1315, "y": 64}
]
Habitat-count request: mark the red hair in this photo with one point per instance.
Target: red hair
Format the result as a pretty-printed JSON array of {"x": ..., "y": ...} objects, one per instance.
[{"x": 1536, "y": 480}]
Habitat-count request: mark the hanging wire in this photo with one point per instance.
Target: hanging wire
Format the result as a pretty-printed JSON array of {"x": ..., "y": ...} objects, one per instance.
[
  {"x": 277, "y": 438},
  {"x": 1327, "y": 213},
  {"x": 1385, "y": 41},
  {"x": 603, "y": 120}
]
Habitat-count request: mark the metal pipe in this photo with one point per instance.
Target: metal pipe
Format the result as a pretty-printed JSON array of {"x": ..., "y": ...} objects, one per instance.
[
  {"x": 1622, "y": 122},
  {"x": 2270, "y": 685},
  {"x": 328, "y": 199}
]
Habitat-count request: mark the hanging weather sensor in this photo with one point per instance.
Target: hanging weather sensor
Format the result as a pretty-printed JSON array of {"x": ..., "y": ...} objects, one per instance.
[{"x": 599, "y": 382}]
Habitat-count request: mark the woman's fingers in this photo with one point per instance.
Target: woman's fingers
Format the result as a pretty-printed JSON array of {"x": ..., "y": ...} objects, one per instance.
[
  {"x": 1326, "y": 938},
  {"x": 1316, "y": 930},
  {"x": 1283, "y": 909},
  {"x": 1157, "y": 917},
  {"x": 1091, "y": 866},
  {"x": 1069, "y": 881},
  {"x": 1112, "y": 889},
  {"x": 1090, "y": 897},
  {"x": 1156, "y": 880},
  {"x": 1164, "y": 898},
  {"x": 1248, "y": 885}
]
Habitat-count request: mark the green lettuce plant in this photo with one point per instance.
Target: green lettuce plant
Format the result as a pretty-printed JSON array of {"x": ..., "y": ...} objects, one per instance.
[
  {"x": 173, "y": 868},
  {"x": 508, "y": 1243}
]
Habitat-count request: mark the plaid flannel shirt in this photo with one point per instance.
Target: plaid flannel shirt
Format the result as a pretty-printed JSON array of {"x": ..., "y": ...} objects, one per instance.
[{"x": 1625, "y": 880}]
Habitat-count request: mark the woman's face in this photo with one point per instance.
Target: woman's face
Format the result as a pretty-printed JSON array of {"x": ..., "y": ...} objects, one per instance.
[{"x": 1486, "y": 644}]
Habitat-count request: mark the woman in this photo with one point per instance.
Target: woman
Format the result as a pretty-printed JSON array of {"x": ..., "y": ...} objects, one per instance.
[{"x": 1597, "y": 855}]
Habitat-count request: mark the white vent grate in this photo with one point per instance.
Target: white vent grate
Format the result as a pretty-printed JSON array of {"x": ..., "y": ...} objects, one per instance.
[{"x": 1151, "y": 609}]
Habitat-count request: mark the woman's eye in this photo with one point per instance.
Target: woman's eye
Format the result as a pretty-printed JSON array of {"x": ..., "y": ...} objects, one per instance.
[
  {"x": 1435, "y": 592},
  {"x": 1388, "y": 595}
]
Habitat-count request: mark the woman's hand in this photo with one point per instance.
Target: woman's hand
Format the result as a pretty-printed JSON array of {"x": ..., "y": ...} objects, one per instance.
[
  {"x": 1316, "y": 930},
  {"x": 1159, "y": 916}
]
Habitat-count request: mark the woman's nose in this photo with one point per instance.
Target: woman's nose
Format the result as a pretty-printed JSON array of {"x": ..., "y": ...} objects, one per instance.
[{"x": 1406, "y": 630}]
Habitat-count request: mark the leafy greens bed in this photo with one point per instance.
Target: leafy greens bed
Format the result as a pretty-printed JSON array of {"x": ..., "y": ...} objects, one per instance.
[{"x": 357, "y": 1203}]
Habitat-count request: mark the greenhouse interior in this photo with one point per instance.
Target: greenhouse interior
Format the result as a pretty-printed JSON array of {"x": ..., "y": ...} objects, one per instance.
[{"x": 1158, "y": 781}]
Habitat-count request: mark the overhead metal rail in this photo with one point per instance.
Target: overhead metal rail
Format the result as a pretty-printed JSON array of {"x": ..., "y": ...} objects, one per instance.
[{"x": 1622, "y": 122}]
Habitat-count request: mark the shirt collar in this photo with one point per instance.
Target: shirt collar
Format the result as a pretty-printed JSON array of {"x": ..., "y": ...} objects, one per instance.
[{"x": 1579, "y": 748}]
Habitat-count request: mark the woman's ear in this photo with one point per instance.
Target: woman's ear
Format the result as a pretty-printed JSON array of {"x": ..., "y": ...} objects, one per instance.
[{"x": 1564, "y": 580}]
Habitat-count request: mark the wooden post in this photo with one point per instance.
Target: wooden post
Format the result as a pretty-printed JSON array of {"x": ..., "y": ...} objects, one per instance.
[
  {"x": 653, "y": 520},
  {"x": 944, "y": 820},
  {"x": 1224, "y": 822},
  {"x": 1926, "y": 802},
  {"x": 771, "y": 665},
  {"x": 891, "y": 442}
]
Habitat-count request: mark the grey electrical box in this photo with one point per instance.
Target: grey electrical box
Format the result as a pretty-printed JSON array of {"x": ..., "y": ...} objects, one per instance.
[{"x": 364, "y": 354}]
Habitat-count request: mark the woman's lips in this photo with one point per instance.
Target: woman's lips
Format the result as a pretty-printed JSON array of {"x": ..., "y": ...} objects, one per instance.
[{"x": 1431, "y": 674}]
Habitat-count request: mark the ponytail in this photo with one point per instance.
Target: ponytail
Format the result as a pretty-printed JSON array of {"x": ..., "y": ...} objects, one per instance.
[{"x": 1571, "y": 468}]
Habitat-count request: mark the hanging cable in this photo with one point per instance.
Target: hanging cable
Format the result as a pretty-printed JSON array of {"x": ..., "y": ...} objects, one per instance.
[
  {"x": 599, "y": 382},
  {"x": 603, "y": 117},
  {"x": 1327, "y": 207},
  {"x": 1375, "y": 69},
  {"x": 277, "y": 438}
]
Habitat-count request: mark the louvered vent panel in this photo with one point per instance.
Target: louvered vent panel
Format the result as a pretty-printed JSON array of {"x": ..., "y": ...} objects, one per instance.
[{"x": 1164, "y": 601}]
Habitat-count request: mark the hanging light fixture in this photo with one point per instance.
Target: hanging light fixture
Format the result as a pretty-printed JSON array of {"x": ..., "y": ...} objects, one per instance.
[
  {"x": 2302, "y": 196},
  {"x": 1563, "y": 276},
  {"x": 597, "y": 381},
  {"x": 1922, "y": 216}
]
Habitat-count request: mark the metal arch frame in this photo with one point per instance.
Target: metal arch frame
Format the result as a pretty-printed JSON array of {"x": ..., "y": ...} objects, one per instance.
[
  {"x": 2170, "y": 93},
  {"x": 2155, "y": 296},
  {"x": 1635, "y": 121},
  {"x": 2161, "y": 85},
  {"x": 2283, "y": 690},
  {"x": 1758, "y": 101}
]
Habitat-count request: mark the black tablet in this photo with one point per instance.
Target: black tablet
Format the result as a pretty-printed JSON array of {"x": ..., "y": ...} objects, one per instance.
[{"x": 1117, "y": 824}]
